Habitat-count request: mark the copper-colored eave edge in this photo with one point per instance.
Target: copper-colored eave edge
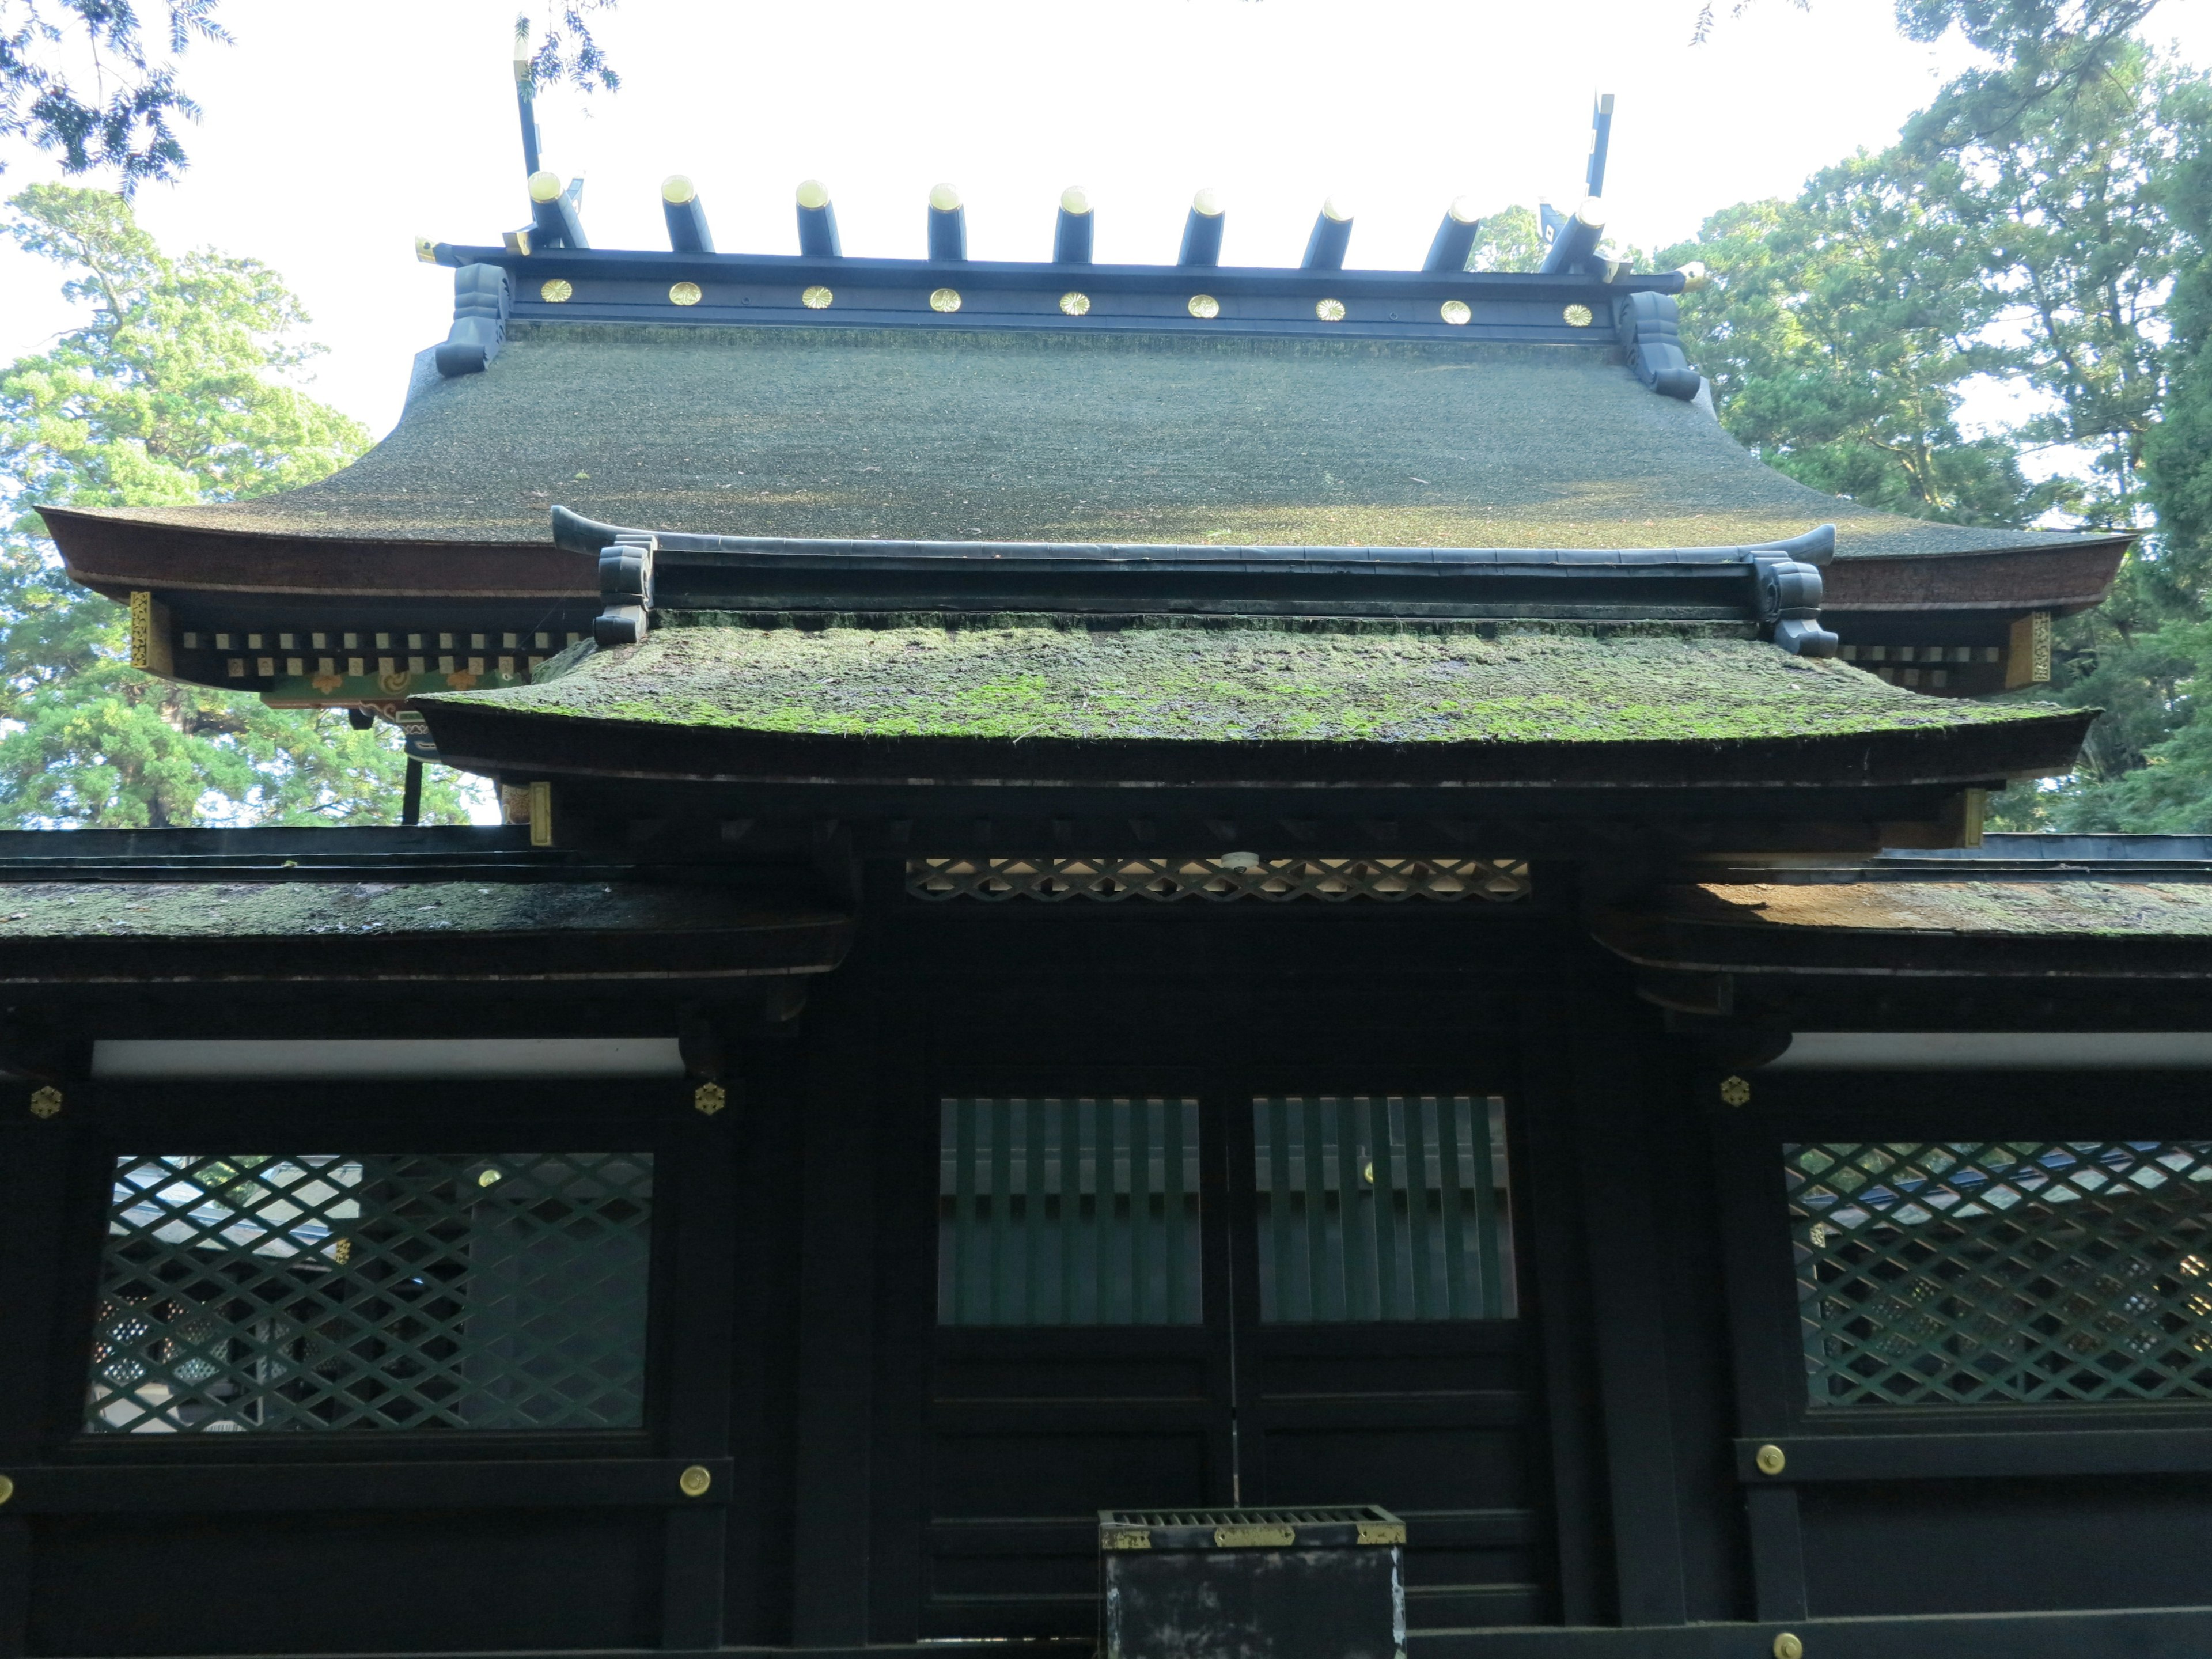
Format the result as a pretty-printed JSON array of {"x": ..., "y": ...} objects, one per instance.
[
  {"x": 1636, "y": 937},
  {"x": 114, "y": 554},
  {"x": 115, "y": 557},
  {"x": 1971, "y": 581}
]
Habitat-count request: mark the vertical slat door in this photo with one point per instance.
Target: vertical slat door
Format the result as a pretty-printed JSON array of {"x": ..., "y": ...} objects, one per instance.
[
  {"x": 1074, "y": 1367},
  {"x": 1383, "y": 1360}
]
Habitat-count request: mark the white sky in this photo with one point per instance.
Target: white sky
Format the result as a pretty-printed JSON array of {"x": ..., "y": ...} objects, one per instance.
[{"x": 335, "y": 133}]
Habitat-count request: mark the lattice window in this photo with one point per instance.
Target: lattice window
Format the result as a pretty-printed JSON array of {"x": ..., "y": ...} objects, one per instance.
[
  {"x": 1382, "y": 1207},
  {"x": 416, "y": 1290},
  {"x": 1166, "y": 879},
  {"x": 1987, "y": 1274},
  {"x": 1068, "y": 1211}
]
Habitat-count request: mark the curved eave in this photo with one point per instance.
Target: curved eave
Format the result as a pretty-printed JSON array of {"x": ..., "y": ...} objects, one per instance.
[
  {"x": 1667, "y": 943},
  {"x": 1779, "y": 774},
  {"x": 114, "y": 553},
  {"x": 2061, "y": 579},
  {"x": 730, "y": 945}
]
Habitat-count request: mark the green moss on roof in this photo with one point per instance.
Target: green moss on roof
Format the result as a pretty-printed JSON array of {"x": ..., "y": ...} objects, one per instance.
[
  {"x": 164, "y": 910},
  {"x": 2071, "y": 906},
  {"x": 1065, "y": 437},
  {"x": 1021, "y": 678}
]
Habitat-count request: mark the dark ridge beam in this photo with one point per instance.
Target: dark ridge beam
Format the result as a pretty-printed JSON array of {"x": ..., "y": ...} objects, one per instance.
[
  {"x": 687, "y": 220},
  {"x": 1576, "y": 245},
  {"x": 948, "y": 226},
  {"x": 1201, "y": 231},
  {"x": 1454, "y": 239},
  {"x": 1331, "y": 237},
  {"x": 1071, "y": 234},
  {"x": 818, "y": 223},
  {"x": 524, "y": 102},
  {"x": 553, "y": 217},
  {"x": 1600, "y": 138}
]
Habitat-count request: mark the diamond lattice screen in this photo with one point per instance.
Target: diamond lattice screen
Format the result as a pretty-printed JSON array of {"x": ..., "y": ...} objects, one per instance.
[
  {"x": 1382, "y": 1207},
  {"x": 407, "y": 1290},
  {"x": 1068, "y": 1211},
  {"x": 2026, "y": 1272}
]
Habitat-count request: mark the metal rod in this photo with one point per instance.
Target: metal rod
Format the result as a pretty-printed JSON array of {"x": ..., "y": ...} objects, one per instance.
[
  {"x": 1600, "y": 138},
  {"x": 1485, "y": 1214},
  {"x": 818, "y": 223},
  {"x": 1421, "y": 1113},
  {"x": 1332, "y": 235},
  {"x": 948, "y": 225},
  {"x": 687, "y": 218},
  {"x": 1002, "y": 1137},
  {"x": 963, "y": 1206},
  {"x": 1452, "y": 1192},
  {"x": 1201, "y": 231},
  {"x": 1070, "y": 235},
  {"x": 1454, "y": 239},
  {"x": 410, "y": 793}
]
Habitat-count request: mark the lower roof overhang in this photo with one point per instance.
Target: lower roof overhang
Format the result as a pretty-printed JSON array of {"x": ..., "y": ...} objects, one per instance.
[
  {"x": 1996, "y": 947},
  {"x": 397, "y": 927}
]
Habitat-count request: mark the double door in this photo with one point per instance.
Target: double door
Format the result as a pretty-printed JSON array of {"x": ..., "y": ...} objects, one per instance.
[{"x": 1182, "y": 1301}]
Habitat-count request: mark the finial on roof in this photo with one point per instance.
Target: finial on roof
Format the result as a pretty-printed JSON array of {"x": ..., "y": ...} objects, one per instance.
[
  {"x": 818, "y": 222},
  {"x": 553, "y": 211},
  {"x": 1600, "y": 136},
  {"x": 1070, "y": 235},
  {"x": 1332, "y": 235},
  {"x": 1575, "y": 243},
  {"x": 1201, "y": 230},
  {"x": 687, "y": 218},
  {"x": 523, "y": 87},
  {"x": 948, "y": 225},
  {"x": 1455, "y": 237}
]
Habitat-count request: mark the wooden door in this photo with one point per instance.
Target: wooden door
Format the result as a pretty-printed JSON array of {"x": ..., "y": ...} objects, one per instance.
[{"x": 1179, "y": 1302}]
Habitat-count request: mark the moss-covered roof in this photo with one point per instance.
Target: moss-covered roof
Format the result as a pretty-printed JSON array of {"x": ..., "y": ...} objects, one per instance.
[
  {"x": 1052, "y": 437},
  {"x": 432, "y": 910},
  {"x": 1012, "y": 679},
  {"x": 2062, "y": 907}
]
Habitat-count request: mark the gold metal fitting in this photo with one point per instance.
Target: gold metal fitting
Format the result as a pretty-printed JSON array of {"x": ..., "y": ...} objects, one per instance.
[
  {"x": 944, "y": 299},
  {"x": 1770, "y": 1459},
  {"x": 1577, "y": 316},
  {"x": 46, "y": 1101},
  {"x": 1205, "y": 307},
  {"x": 1787, "y": 1646},
  {"x": 556, "y": 290},
  {"x": 7, "y": 1488},
  {"x": 1455, "y": 312},
  {"x": 684, "y": 293},
  {"x": 1329, "y": 311},
  {"x": 708, "y": 1098},
  {"x": 1075, "y": 305},
  {"x": 426, "y": 250},
  {"x": 817, "y": 298},
  {"x": 1377, "y": 1532},
  {"x": 1255, "y": 1538},
  {"x": 694, "y": 1481},
  {"x": 1735, "y": 1092}
]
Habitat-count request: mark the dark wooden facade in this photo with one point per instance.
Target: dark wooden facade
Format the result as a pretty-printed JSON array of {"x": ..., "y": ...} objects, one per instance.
[{"x": 1409, "y": 887}]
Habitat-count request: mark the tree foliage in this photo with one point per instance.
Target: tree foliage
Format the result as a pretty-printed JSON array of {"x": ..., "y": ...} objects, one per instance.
[
  {"x": 2041, "y": 226},
  {"x": 89, "y": 82},
  {"x": 173, "y": 391}
]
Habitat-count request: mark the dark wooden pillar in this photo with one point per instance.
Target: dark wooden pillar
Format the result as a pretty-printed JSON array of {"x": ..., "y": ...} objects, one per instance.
[
  {"x": 34, "y": 1189},
  {"x": 1615, "y": 1077},
  {"x": 834, "y": 1415},
  {"x": 703, "y": 1177}
]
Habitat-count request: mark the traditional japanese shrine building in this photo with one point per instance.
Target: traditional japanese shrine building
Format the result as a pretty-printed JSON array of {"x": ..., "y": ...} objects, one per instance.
[{"x": 1150, "y": 887}]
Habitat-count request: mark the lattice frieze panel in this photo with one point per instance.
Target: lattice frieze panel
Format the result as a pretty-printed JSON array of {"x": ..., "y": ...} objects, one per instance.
[
  {"x": 1167, "y": 879},
  {"x": 410, "y": 1291},
  {"x": 2020, "y": 1273}
]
